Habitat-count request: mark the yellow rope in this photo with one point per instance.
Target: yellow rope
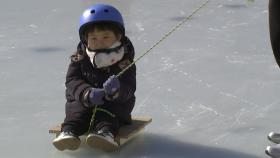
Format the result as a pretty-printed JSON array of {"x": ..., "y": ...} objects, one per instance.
[
  {"x": 146, "y": 52},
  {"x": 92, "y": 118},
  {"x": 94, "y": 110},
  {"x": 164, "y": 37}
]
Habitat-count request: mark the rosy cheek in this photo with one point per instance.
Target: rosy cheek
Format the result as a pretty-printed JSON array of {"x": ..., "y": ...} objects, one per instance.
[{"x": 91, "y": 45}]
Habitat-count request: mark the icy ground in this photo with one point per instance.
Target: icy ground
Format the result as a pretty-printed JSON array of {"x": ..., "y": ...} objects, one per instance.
[{"x": 212, "y": 87}]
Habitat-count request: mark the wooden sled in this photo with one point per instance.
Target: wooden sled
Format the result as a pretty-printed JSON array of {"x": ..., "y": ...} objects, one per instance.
[{"x": 126, "y": 132}]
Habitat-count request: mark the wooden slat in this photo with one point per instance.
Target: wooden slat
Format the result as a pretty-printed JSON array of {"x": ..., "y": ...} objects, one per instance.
[
  {"x": 55, "y": 129},
  {"x": 138, "y": 123},
  {"x": 125, "y": 132}
]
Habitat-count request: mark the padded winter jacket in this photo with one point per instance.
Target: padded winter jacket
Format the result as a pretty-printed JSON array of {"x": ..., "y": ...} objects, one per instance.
[{"x": 82, "y": 76}]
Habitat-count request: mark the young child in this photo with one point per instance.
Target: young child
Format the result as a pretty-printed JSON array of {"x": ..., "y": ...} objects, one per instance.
[{"x": 98, "y": 102}]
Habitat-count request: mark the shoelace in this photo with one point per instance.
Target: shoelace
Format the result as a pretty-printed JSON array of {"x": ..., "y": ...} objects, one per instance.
[
  {"x": 68, "y": 133},
  {"x": 105, "y": 134}
]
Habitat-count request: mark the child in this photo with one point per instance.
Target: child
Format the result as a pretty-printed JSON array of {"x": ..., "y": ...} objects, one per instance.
[{"x": 98, "y": 102}]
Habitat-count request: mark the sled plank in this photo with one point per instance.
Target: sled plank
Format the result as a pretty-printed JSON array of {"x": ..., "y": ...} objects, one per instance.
[{"x": 126, "y": 132}]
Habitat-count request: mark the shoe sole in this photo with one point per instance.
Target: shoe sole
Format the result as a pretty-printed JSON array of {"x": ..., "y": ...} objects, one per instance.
[
  {"x": 270, "y": 139},
  {"x": 267, "y": 153},
  {"x": 69, "y": 143},
  {"x": 96, "y": 141}
]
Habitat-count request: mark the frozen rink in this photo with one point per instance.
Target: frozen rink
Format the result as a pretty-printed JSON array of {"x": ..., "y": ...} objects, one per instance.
[{"x": 212, "y": 87}]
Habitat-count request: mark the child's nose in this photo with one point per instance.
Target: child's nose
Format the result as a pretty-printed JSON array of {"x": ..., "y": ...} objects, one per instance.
[{"x": 100, "y": 44}]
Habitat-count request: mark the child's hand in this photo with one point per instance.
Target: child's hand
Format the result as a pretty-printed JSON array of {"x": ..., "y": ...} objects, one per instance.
[
  {"x": 111, "y": 87},
  {"x": 96, "y": 96}
]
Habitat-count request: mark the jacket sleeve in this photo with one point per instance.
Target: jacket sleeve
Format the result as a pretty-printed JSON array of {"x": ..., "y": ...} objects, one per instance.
[
  {"x": 128, "y": 78},
  {"x": 75, "y": 84},
  {"x": 274, "y": 26},
  {"x": 127, "y": 84}
]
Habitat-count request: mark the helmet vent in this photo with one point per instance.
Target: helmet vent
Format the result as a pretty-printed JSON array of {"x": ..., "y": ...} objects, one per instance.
[
  {"x": 106, "y": 10},
  {"x": 92, "y": 11}
]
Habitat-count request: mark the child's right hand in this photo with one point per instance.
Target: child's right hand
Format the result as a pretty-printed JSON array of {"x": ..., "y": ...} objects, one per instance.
[{"x": 96, "y": 96}]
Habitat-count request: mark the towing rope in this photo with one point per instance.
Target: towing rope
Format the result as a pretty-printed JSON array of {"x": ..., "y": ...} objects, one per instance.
[
  {"x": 146, "y": 52},
  {"x": 94, "y": 110},
  {"x": 164, "y": 37}
]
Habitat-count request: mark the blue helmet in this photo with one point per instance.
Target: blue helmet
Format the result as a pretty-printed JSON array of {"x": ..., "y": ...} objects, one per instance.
[{"x": 100, "y": 13}]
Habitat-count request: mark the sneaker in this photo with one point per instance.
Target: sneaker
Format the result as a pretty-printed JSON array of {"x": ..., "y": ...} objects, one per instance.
[
  {"x": 103, "y": 140},
  {"x": 274, "y": 137},
  {"x": 66, "y": 140},
  {"x": 273, "y": 152}
]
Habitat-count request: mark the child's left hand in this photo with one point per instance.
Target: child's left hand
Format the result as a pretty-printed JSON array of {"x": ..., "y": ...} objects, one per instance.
[{"x": 111, "y": 87}]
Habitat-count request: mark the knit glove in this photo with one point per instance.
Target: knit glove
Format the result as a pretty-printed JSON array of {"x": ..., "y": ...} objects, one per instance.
[{"x": 111, "y": 87}]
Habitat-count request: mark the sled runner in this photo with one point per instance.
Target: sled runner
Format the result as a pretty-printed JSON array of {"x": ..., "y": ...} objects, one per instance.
[{"x": 126, "y": 132}]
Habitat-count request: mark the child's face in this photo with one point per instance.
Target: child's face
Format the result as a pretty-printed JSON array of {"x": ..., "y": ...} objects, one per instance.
[{"x": 101, "y": 39}]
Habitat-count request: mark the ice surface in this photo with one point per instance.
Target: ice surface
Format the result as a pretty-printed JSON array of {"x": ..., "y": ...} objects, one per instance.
[{"x": 211, "y": 87}]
